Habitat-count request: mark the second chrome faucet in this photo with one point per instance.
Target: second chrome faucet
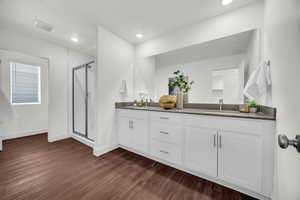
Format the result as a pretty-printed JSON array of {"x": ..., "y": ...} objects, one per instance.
[{"x": 221, "y": 102}]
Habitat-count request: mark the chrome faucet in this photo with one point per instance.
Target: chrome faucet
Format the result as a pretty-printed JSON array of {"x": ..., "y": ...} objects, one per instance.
[{"x": 221, "y": 102}]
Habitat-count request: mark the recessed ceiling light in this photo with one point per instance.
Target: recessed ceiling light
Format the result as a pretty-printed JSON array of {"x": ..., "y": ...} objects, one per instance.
[
  {"x": 139, "y": 35},
  {"x": 226, "y": 2},
  {"x": 74, "y": 39}
]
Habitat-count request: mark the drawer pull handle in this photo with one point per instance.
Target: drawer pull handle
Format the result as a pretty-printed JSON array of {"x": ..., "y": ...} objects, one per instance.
[
  {"x": 164, "y": 132},
  {"x": 130, "y": 124},
  {"x": 165, "y": 152},
  {"x": 215, "y": 143},
  {"x": 164, "y": 117}
]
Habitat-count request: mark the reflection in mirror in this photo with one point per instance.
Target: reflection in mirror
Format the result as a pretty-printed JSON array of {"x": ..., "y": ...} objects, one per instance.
[
  {"x": 220, "y": 68},
  {"x": 227, "y": 84}
]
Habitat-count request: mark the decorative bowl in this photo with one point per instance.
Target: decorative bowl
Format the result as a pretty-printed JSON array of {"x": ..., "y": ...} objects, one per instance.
[{"x": 167, "y": 101}]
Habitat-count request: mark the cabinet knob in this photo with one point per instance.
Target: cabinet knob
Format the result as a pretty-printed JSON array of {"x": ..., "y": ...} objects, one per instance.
[{"x": 284, "y": 142}]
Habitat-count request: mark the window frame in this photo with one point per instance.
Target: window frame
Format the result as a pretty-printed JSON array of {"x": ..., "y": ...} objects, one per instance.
[{"x": 11, "y": 83}]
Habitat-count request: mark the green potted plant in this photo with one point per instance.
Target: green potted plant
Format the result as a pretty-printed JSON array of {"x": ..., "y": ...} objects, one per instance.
[
  {"x": 252, "y": 106},
  {"x": 182, "y": 85}
]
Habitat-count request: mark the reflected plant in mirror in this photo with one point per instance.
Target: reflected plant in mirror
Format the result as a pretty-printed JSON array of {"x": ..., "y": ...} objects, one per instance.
[
  {"x": 181, "y": 82},
  {"x": 180, "y": 86}
]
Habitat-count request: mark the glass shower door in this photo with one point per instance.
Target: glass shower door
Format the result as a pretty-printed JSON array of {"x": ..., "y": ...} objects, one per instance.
[{"x": 80, "y": 103}]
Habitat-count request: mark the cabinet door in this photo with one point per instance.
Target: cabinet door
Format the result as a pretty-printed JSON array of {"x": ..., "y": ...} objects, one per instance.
[
  {"x": 201, "y": 150},
  {"x": 240, "y": 159},
  {"x": 140, "y": 139},
  {"x": 125, "y": 131}
]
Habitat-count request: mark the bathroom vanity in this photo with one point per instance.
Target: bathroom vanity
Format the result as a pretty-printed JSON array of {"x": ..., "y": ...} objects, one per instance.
[{"x": 227, "y": 147}]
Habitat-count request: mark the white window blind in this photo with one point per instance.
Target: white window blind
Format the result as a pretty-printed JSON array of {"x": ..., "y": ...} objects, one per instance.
[{"x": 25, "y": 83}]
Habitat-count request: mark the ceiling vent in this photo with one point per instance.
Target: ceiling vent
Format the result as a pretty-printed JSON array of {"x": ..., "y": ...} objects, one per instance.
[{"x": 43, "y": 25}]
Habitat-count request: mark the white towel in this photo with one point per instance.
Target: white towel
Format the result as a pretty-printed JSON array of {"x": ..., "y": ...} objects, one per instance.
[
  {"x": 258, "y": 82},
  {"x": 6, "y": 111}
]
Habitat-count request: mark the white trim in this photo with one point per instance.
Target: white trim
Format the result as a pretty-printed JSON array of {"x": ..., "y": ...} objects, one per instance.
[
  {"x": 100, "y": 151},
  {"x": 22, "y": 134},
  {"x": 82, "y": 140},
  {"x": 12, "y": 53},
  {"x": 20, "y": 104},
  {"x": 54, "y": 138}
]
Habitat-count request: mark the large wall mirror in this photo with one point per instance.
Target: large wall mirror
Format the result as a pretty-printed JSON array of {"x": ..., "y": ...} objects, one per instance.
[{"x": 219, "y": 68}]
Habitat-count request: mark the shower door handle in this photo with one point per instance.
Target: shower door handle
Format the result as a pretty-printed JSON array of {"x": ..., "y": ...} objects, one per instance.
[{"x": 86, "y": 98}]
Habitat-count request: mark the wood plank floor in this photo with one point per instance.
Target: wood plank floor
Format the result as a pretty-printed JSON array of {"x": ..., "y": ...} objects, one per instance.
[{"x": 33, "y": 169}]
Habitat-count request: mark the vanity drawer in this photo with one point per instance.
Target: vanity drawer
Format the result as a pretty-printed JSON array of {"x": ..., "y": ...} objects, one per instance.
[
  {"x": 164, "y": 117},
  {"x": 225, "y": 123},
  {"x": 165, "y": 151},
  {"x": 166, "y": 133},
  {"x": 135, "y": 114}
]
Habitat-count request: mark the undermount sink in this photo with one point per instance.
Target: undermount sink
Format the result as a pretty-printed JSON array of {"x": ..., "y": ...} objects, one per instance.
[
  {"x": 137, "y": 107},
  {"x": 224, "y": 111}
]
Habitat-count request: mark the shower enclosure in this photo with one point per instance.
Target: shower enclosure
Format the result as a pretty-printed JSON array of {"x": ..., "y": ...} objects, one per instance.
[{"x": 83, "y": 85}]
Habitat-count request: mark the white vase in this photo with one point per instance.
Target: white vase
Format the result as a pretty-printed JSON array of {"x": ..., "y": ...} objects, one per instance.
[
  {"x": 179, "y": 101},
  {"x": 185, "y": 98},
  {"x": 253, "y": 109}
]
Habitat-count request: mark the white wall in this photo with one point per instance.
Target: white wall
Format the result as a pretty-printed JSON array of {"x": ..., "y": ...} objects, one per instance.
[
  {"x": 23, "y": 125},
  {"x": 58, "y": 76},
  {"x": 115, "y": 60},
  {"x": 282, "y": 47},
  {"x": 200, "y": 71},
  {"x": 240, "y": 20}
]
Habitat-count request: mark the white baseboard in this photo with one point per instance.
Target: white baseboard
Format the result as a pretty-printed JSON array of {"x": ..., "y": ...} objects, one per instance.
[
  {"x": 100, "y": 151},
  {"x": 23, "y": 134},
  {"x": 82, "y": 140},
  {"x": 53, "y": 138}
]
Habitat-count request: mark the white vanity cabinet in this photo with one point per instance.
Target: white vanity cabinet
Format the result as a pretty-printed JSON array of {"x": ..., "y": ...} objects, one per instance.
[
  {"x": 133, "y": 130},
  {"x": 240, "y": 159},
  {"x": 230, "y": 149},
  {"x": 124, "y": 131},
  {"x": 201, "y": 150},
  {"x": 235, "y": 152},
  {"x": 166, "y": 136}
]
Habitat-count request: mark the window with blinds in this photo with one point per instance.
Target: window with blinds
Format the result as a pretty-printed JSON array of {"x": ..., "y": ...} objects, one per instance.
[{"x": 25, "y": 83}]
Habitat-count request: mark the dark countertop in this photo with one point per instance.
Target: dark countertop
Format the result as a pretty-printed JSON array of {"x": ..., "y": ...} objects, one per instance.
[{"x": 203, "y": 111}]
